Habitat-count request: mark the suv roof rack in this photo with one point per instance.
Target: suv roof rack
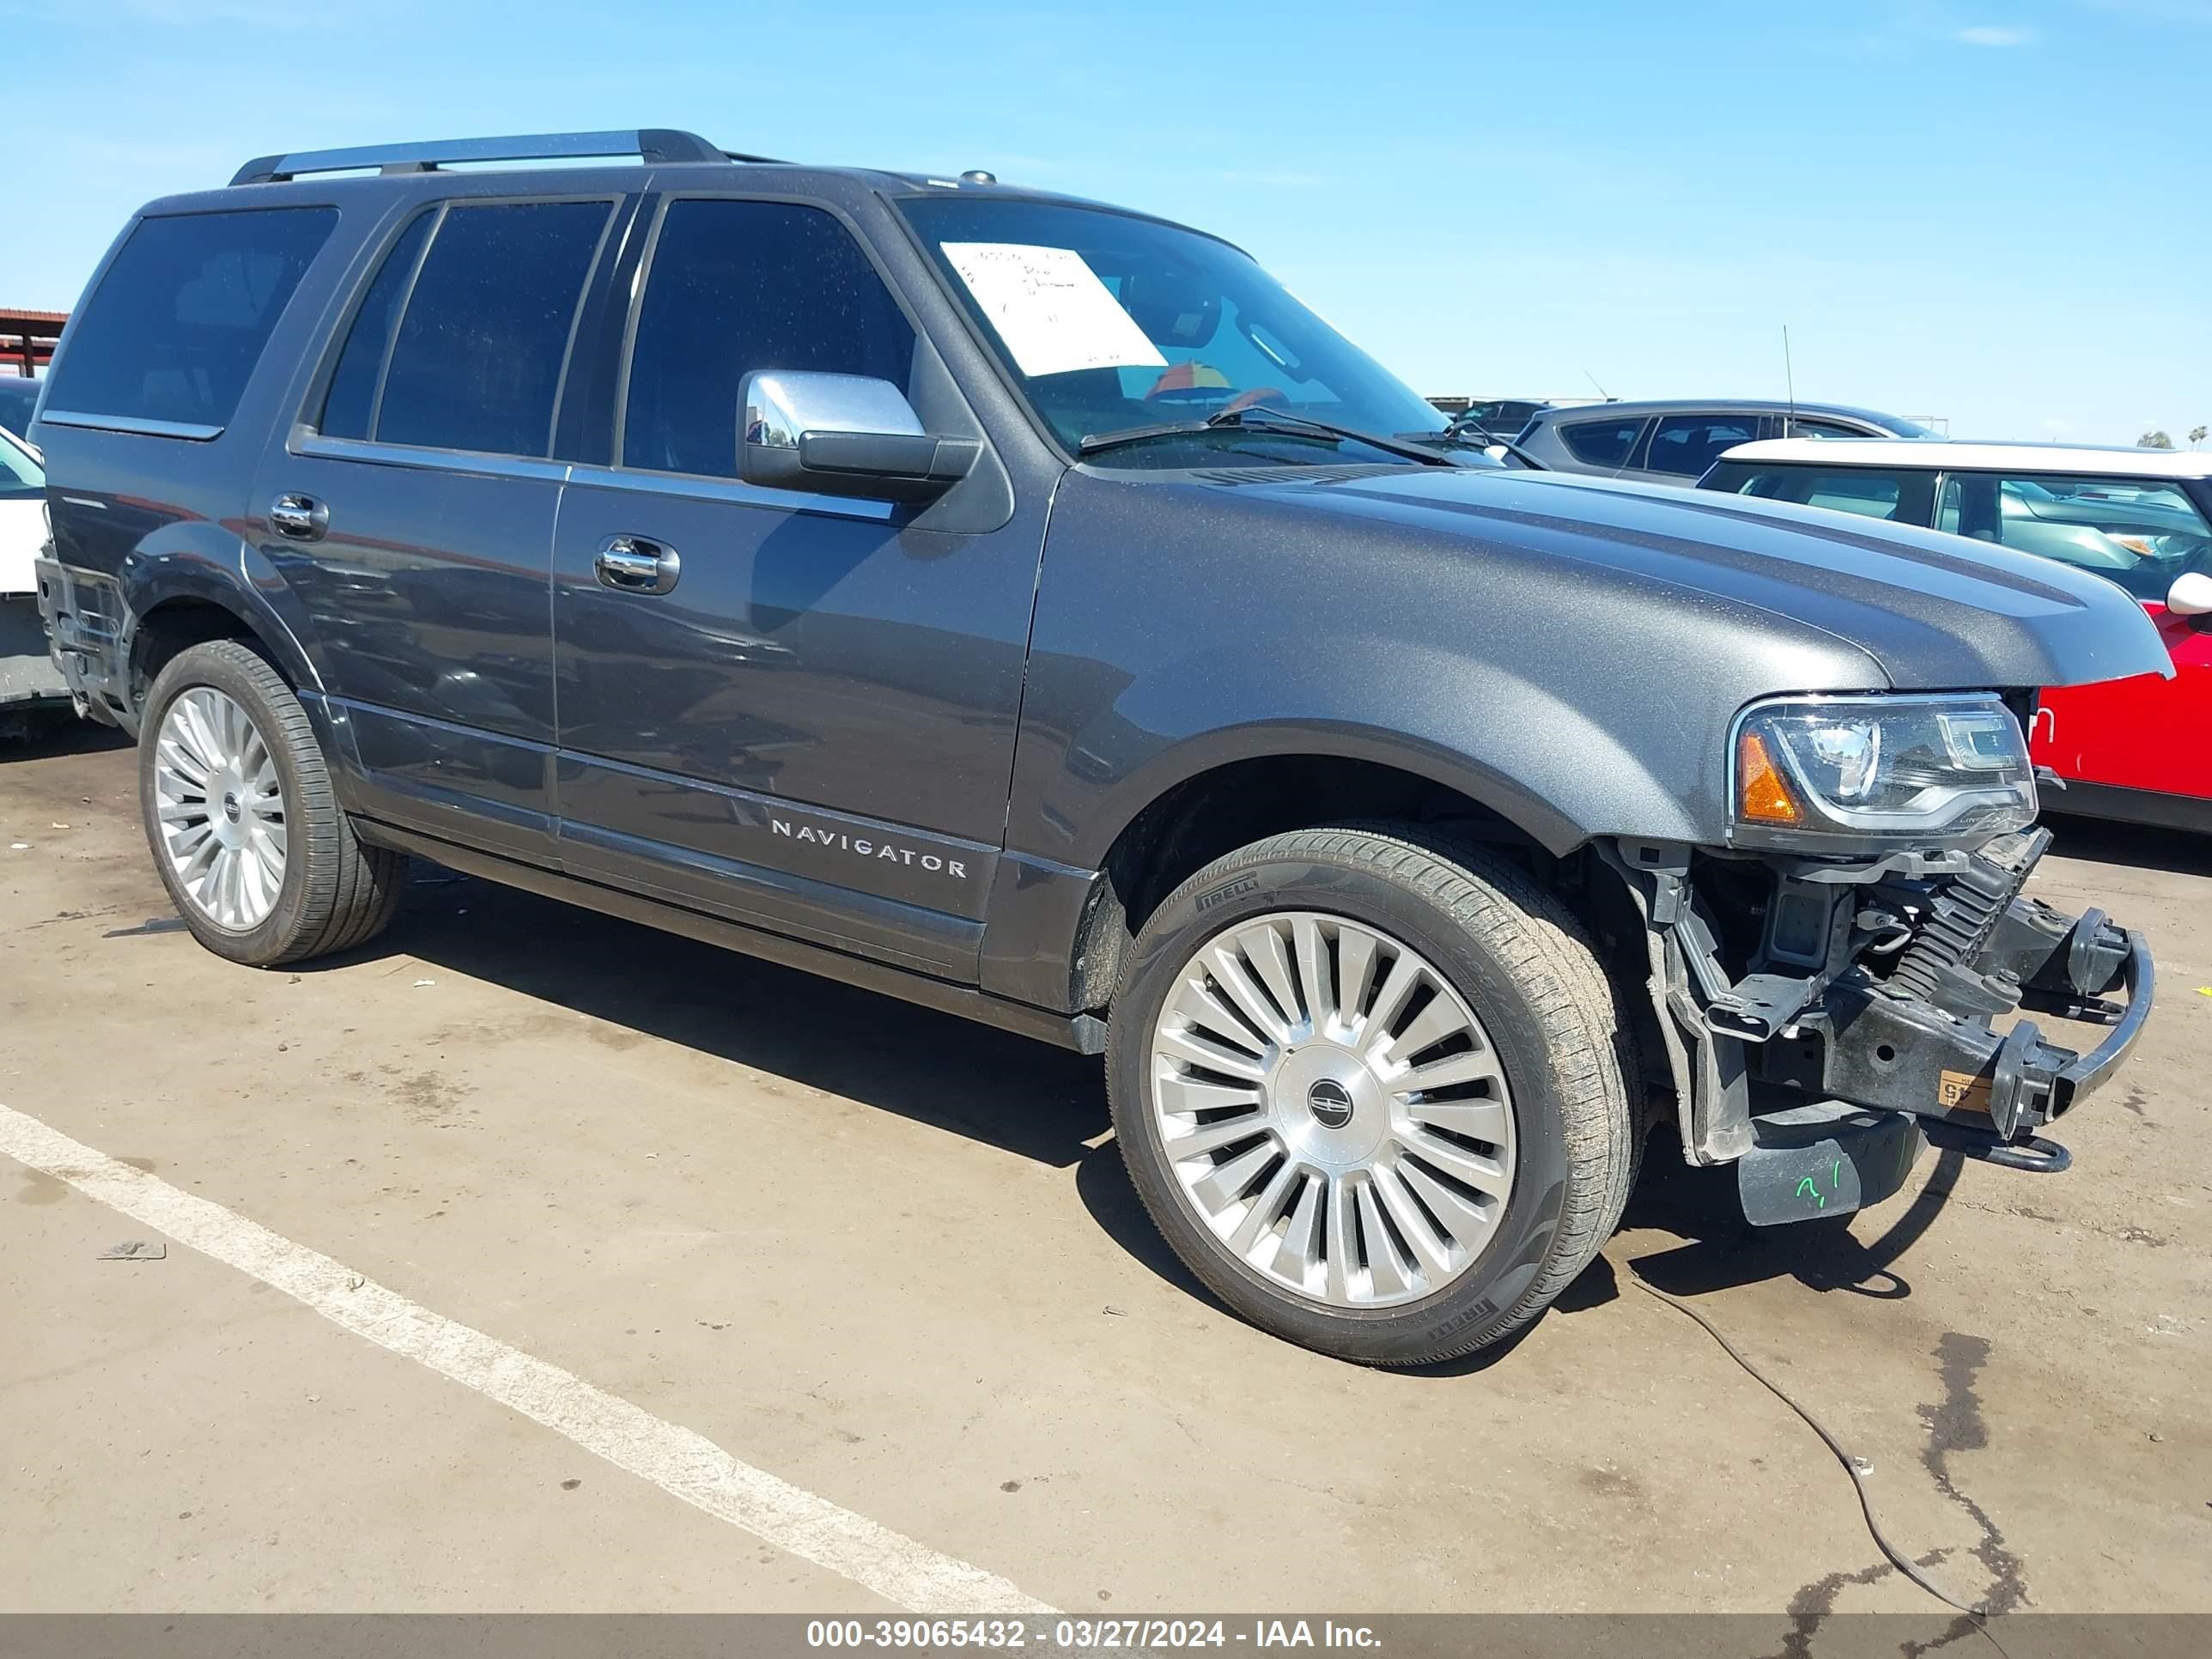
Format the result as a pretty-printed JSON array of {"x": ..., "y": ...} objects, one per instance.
[{"x": 651, "y": 145}]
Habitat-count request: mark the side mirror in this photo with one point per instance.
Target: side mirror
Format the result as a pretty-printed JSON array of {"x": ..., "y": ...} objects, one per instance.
[
  {"x": 2191, "y": 594},
  {"x": 843, "y": 435}
]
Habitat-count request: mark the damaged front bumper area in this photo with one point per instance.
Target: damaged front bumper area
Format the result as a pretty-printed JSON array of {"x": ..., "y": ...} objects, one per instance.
[{"x": 1824, "y": 1018}]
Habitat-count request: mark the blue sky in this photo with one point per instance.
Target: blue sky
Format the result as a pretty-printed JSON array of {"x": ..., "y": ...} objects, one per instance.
[{"x": 1997, "y": 213}]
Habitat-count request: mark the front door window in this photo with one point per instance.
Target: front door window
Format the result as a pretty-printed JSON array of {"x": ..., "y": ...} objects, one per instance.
[{"x": 736, "y": 286}]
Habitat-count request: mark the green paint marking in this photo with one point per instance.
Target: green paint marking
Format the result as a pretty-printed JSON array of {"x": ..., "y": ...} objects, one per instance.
[{"x": 1806, "y": 1189}]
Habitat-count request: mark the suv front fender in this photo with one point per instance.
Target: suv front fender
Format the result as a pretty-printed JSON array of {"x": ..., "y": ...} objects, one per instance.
[{"x": 1553, "y": 770}]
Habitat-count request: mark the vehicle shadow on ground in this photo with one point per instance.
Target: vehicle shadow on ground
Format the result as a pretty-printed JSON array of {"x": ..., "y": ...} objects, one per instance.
[
  {"x": 1103, "y": 1181},
  {"x": 1721, "y": 1250},
  {"x": 1022, "y": 1097},
  {"x": 1007, "y": 1091},
  {"x": 1031, "y": 1099},
  {"x": 46, "y": 735}
]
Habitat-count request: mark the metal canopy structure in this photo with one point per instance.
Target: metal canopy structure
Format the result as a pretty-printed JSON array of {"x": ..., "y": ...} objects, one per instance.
[{"x": 27, "y": 339}]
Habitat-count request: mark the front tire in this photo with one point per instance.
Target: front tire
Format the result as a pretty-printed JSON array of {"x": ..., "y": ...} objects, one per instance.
[
  {"x": 246, "y": 833},
  {"x": 1369, "y": 1089}
]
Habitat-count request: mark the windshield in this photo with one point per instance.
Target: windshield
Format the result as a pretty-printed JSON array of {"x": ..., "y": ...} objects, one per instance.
[
  {"x": 1108, "y": 324},
  {"x": 2139, "y": 535}
]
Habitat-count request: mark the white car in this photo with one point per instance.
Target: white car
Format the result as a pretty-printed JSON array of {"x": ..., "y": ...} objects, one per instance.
[{"x": 28, "y": 678}]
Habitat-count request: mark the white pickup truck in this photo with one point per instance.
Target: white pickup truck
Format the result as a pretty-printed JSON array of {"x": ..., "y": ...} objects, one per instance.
[{"x": 28, "y": 678}]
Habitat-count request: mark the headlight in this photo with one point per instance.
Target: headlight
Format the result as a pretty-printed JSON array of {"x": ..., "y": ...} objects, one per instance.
[{"x": 1834, "y": 774}]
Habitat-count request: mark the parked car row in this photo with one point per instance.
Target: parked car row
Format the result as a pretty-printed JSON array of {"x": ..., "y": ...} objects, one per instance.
[
  {"x": 1031, "y": 609},
  {"x": 1676, "y": 440}
]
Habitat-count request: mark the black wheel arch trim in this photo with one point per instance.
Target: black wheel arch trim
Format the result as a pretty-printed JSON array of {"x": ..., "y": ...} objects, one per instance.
[{"x": 145, "y": 586}]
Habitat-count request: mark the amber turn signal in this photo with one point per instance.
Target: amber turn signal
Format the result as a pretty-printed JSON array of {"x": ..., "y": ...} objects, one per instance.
[{"x": 1761, "y": 796}]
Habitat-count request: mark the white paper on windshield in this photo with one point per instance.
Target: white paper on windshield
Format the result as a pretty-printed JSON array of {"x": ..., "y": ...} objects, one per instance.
[{"x": 1050, "y": 309}]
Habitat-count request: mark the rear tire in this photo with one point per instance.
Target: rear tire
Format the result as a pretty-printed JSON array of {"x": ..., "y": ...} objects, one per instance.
[
  {"x": 1299, "y": 1165},
  {"x": 261, "y": 861}
]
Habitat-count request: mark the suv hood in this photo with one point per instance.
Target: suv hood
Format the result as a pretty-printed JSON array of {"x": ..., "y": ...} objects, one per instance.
[{"x": 1935, "y": 611}]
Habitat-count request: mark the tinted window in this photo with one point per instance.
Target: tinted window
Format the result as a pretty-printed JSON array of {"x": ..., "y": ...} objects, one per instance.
[
  {"x": 1863, "y": 491},
  {"x": 1601, "y": 443},
  {"x": 737, "y": 286},
  {"x": 1685, "y": 444},
  {"x": 1805, "y": 426},
  {"x": 178, "y": 321},
  {"x": 347, "y": 409},
  {"x": 18, "y": 398},
  {"x": 1505, "y": 417},
  {"x": 2138, "y": 533},
  {"x": 476, "y": 363}
]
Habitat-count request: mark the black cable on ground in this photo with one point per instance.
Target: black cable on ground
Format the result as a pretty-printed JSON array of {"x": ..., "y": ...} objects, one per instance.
[{"x": 1898, "y": 1557}]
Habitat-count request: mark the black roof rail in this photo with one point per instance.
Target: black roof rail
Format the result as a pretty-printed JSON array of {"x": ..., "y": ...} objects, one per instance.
[{"x": 651, "y": 145}]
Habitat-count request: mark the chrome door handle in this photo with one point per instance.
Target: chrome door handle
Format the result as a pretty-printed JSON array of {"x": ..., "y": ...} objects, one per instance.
[
  {"x": 299, "y": 517},
  {"x": 631, "y": 564}
]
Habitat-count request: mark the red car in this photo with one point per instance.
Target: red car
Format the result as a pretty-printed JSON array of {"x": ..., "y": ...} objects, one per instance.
[{"x": 2130, "y": 749}]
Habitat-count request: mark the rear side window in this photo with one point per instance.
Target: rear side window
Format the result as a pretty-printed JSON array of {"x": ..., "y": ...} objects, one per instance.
[
  {"x": 350, "y": 406},
  {"x": 476, "y": 359},
  {"x": 1863, "y": 491},
  {"x": 1601, "y": 443},
  {"x": 736, "y": 286},
  {"x": 174, "y": 331},
  {"x": 1876, "y": 495},
  {"x": 1685, "y": 444}
]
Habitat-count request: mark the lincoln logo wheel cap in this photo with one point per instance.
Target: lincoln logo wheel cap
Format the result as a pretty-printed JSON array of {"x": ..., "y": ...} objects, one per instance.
[{"x": 1330, "y": 1103}]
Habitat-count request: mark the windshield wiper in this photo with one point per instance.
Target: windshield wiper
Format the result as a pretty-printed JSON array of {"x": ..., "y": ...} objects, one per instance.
[
  {"x": 1261, "y": 418},
  {"x": 1098, "y": 441},
  {"x": 1460, "y": 429}
]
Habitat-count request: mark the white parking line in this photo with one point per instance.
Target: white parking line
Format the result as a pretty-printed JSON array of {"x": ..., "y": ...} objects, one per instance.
[{"x": 683, "y": 1464}]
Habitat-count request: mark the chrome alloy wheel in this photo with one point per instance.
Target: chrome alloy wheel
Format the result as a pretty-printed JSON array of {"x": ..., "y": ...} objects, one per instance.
[
  {"x": 1333, "y": 1110},
  {"x": 221, "y": 807}
]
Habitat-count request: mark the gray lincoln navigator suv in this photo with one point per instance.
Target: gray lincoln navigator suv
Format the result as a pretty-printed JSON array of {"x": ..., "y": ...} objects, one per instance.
[{"x": 1029, "y": 608}]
